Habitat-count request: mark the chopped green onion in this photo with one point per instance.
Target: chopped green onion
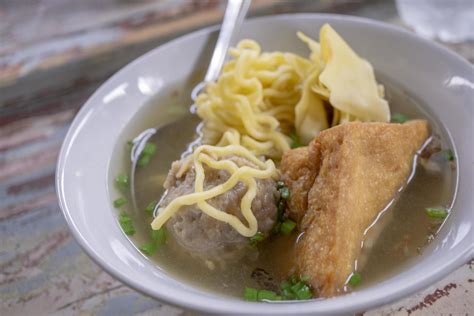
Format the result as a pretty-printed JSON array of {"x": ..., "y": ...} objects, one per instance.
[
  {"x": 296, "y": 144},
  {"x": 159, "y": 236},
  {"x": 287, "y": 226},
  {"x": 440, "y": 213},
  {"x": 256, "y": 238},
  {"x": 447, "y": 154},
  {"x": 122, "y": 181},
  {"x": 305, "y": 278},
  {"x": 268, "y": 295},
  {"x": 281, "y": 208},
  {"x": 148, "y": 248},
  {"x": 120, "y": 202},
  {"x": 253, "y": 295},
  {"x": 145, "y": 157},
  {"x": 250, "y": 294},
  {"x": 285, "y": 193},
  {"x": 280, "y": 184},
  {"x": 355, "y": 279},
  {"x": 296, "y": 287},
  {"x": 151, "y": 207},
  {"x": 126, "y": 223},
  {"x": 398, "y": 118},
  {"x": 287, "y": 293},
  {"x": 304, "y": 293},
  {"x": 149, "y": 149},
  {"x": 285, "y": 285},
  {"x": 295, "y": 141},
  {"x": 293, "y": 279},
  {"x": 143, "y": 160}
]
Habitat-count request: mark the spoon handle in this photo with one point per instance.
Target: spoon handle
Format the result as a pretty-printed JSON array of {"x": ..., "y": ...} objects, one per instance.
[{"x": 234, "y": 15}]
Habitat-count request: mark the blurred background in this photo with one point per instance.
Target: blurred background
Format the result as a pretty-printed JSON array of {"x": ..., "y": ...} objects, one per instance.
[{"x": 54, "y": 54}]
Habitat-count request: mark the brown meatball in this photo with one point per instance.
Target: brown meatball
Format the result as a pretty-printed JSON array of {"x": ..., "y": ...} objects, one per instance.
[{"x": 205, "y": 236}]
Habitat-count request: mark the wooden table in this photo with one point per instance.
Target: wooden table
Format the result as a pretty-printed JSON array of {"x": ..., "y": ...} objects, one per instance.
[{"x": 52, "y": 57}]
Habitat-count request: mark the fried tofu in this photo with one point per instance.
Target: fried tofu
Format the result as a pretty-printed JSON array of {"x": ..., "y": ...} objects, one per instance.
[
  {"x": 338, "y": 184},
  {"x": 300, "y": 167}
]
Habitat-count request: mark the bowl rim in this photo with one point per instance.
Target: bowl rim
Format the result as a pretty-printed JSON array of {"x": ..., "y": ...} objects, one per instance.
[{"x": 229, "y": 306}]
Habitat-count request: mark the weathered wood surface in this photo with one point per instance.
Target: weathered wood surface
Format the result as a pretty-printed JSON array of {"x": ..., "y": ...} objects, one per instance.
[{"x": 42, "y": 269}]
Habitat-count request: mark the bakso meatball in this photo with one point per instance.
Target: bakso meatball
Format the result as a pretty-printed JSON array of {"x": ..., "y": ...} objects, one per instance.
[{"x": 205, "y": 236}]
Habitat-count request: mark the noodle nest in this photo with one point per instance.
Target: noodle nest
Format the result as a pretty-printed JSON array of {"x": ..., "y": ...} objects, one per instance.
[{"x": 262, "y": 97}]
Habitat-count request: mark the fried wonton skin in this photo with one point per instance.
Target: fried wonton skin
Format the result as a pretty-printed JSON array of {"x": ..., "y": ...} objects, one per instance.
[{"x": 338, "y": 184}]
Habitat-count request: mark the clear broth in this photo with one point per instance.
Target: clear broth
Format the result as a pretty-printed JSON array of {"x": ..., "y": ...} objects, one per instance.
[{"x": 391, "y": 243}]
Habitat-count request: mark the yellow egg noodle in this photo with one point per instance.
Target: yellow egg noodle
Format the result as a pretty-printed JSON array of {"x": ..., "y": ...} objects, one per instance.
[
  {"x": 208, "y": 155},
  {"x": 261, "y": 97},
  {"x": 255, "y": 94}
]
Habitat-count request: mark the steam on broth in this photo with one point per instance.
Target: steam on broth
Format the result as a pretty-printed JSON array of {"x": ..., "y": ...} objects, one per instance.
[{"x": 392, "y": 242}]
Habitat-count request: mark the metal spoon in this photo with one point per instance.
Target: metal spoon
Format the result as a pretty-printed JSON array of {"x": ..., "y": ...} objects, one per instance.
[{"x": 233, "y": 17}]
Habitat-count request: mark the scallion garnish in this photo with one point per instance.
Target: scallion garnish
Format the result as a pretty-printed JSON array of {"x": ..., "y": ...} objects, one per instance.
[
  {"x": 268, "y": 295},
  {"x": 143, "y": 160},
  {"x": 285, "y": 193},
  {"x": 447, "y": 154},
  {"x": 122, "y": 181},
  {"x": 151, "y": 207},
  {"x": 250, "y": 294},
  {"x": 398, "y": 118},
  {"x": 145, "y": 157},
  {"x": 293, "y": 289},
  {"x": 280, "y": 184},
  {"x": 256, "y": 238},
  {"x": 159, "y": 236},
  {"x": 283, "y": 224},
  {"x": 286, "y": 291},
  {"x": 293, "y": 279},
  {"x": 287, "y": 226},
  {"x": 434, "y": 212},
  {"x": 149, "y": 149},
  {"x": 355, "y": 279},
  {"x": 304, "y": 293},
  {"x": 280, "y": 216},
  {"x": 305, "y": 278},
  {"x": 296, "y": 288},
  {"x": 120, "y": 202},
  {"x": 254, "y": 295},
  {"x": 295, "y": 141},
  {"x": 148, "y": 248},
  {"x": 126, "y": 223},
  {"x": 281, "y": 208}
]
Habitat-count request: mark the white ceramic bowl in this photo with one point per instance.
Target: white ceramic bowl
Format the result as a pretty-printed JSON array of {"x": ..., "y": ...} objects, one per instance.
[{"x": 438, "y": 78}]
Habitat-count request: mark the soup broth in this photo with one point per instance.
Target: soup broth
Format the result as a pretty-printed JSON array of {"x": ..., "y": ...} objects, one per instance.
[{"x": 398, "y": 235}]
